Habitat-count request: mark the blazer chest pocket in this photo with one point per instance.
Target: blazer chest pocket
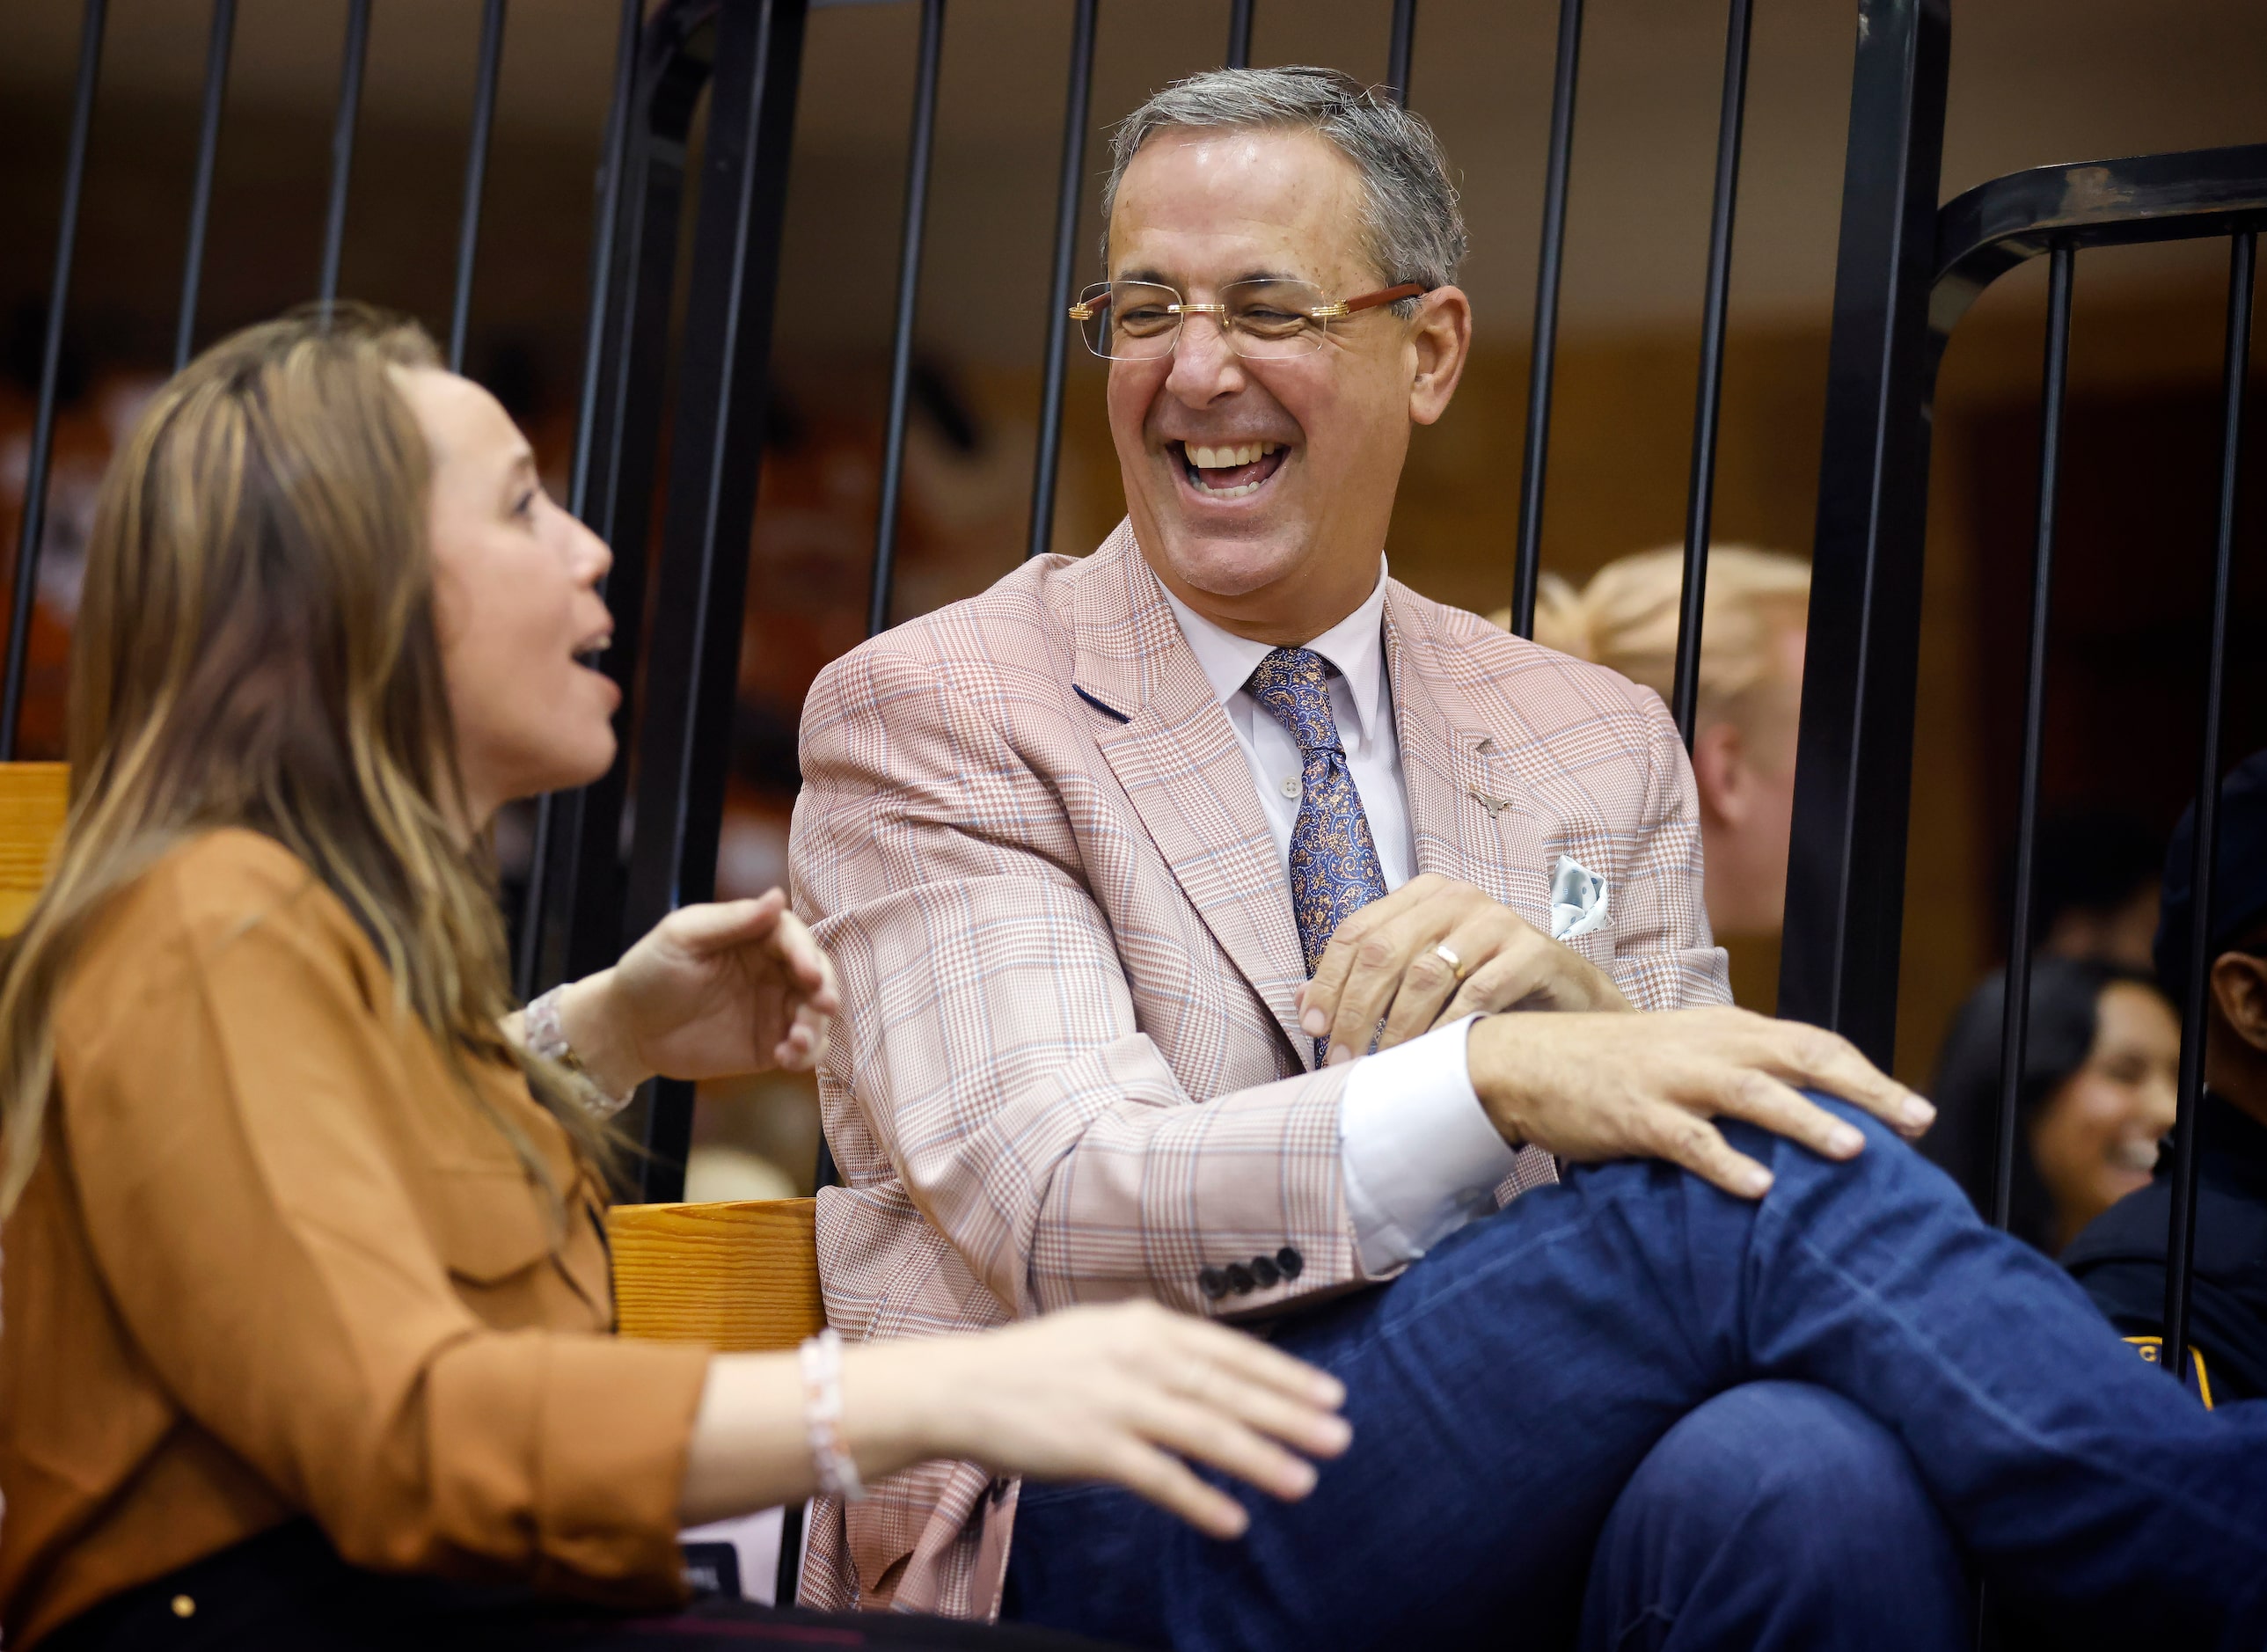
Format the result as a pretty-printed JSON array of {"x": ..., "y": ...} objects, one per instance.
[{"x": 492, "y": 1224}]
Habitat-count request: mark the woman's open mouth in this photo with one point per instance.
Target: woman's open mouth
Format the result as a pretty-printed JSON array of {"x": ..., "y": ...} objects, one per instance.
[{"x": 1229, "y": 470}]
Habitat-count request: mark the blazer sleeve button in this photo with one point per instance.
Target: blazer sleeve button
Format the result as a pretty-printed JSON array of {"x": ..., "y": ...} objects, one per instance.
[
  {"x": 1240, "y": 1280},
  {"x": 1264, "y": 1270},
  {"x": 1213, "y": 1283},
  {"x": 1291, "y": 1262}
]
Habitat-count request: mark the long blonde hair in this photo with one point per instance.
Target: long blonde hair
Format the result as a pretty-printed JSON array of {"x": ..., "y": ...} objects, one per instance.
[
  {"x": 1626, "y": 618},
  {"x": 255, "y": 647}
]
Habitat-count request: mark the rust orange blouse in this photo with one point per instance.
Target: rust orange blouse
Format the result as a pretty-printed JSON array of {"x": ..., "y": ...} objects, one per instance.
[{"x": 271, "y": 1263}]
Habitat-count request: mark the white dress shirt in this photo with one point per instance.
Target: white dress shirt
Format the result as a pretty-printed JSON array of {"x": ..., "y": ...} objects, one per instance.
[{"x": 1421, "y": 1158}]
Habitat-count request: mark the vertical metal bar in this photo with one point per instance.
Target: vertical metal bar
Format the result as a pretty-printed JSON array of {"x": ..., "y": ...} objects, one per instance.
[
  {"x": 1853, "y": 756},
  {"x": 476, "y": 174},
  {"x": 632, "y": 412},
  {"x": 717, "y": 450},
  {"x": 1399, "y": 47},
  {"x": 2180, "y": 1245},
  {"x": 193, "y": 264},
  {"x": 1239, "y": 34},
  {"x": 342, "y": 142},
  {"x": 597, "y": 329},
  {"x": 32, "y": 526},
  {"x": 901, "y": 350},
  {"x": 1067, "y": 199},
  {"x": 2016, "y": 1014},
  {"x": 1527, "y": 569},
  {"x": 1700, "y": 497}
]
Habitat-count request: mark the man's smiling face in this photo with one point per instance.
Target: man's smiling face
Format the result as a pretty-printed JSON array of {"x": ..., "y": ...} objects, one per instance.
[{"x": 1261, "y": 490}]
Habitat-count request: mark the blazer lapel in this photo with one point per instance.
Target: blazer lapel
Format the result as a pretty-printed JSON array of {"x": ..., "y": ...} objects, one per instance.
[
  {"x": 1186, "y": 777},
  {"x": 1471, "y": 815}
]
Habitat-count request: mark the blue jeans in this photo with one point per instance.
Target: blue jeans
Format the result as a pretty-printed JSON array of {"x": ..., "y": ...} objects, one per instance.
[{"x": 1505, "y": 1390}]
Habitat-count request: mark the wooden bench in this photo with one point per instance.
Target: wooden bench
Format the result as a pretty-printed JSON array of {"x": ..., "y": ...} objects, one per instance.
[
  {"x": 33, "y": 797},
  {"x": 741, "y": 1277}
]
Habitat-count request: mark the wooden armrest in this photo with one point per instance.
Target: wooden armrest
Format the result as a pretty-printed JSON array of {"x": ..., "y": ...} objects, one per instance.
[
  {"x": 34, "y": 799},
  {"x": 741, "y": 1277}
]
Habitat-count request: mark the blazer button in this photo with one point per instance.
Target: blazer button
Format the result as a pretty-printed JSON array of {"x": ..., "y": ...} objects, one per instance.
[
  {"x": 1213, "y": 1283},
  {"x": 1264, "y": 1270},
  {"x": 1291, "y": 1262},
  {"x": 1240, "y": 1280}
]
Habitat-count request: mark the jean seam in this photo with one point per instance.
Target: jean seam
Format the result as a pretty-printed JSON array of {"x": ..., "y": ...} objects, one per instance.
[{"x": 2006, "y": 1421}]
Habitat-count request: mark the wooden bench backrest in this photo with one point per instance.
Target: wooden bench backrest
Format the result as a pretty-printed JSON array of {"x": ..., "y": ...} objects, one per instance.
[
  {"x": 33, "y": 797},
  {"x": 741, "y": 1277}
]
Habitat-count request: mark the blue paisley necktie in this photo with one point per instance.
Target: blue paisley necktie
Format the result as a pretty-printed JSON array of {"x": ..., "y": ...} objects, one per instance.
[{"x": 1334, "y": 870}]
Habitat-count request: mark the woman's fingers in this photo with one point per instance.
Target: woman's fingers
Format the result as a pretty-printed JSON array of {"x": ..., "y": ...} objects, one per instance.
[
  {"x": 1250, "y": 1358},
  {"x": 1167, "y": 1481},
  {"x": 717, "y": 925},
  {"x": 805, "y": 1042},
  {"x": 807, "y": 962}
]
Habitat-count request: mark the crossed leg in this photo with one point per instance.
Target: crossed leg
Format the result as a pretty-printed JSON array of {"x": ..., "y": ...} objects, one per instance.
[{"x": 1504, "y": 1391}]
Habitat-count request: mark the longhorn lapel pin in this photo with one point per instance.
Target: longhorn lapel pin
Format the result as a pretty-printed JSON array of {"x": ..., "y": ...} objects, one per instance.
[{"x": 1494, "y": 805}]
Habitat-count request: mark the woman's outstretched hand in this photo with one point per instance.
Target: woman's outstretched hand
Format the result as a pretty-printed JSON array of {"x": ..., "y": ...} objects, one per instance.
[
  {"x": 1122, "y": 1393},
  {"x": 1133, "y": 1393},
  {"x": 733, "y": 986}
]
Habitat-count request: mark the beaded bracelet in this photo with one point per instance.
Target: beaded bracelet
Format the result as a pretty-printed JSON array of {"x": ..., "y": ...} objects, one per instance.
[
  {"x": 822, "y": 1415},
  {"x": 547, "y": 1038}
]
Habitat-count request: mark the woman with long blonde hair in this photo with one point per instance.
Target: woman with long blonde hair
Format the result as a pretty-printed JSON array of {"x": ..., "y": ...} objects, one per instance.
[{"x": 307, "y": 1298}]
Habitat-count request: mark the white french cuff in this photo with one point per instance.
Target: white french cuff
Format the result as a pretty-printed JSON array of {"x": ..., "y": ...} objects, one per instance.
[{"x": 1419, "y": 1156}]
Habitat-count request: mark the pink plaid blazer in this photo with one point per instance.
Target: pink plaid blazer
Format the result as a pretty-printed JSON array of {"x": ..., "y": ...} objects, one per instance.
[{"x": 1069, "y": 1070}]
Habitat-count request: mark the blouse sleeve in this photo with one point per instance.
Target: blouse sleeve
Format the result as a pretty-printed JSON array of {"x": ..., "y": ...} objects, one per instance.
[{"x": 221, "y": 1108}]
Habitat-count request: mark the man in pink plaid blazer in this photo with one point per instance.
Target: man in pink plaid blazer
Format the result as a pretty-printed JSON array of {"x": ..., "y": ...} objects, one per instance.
[{"x": 1128, "y": 862}]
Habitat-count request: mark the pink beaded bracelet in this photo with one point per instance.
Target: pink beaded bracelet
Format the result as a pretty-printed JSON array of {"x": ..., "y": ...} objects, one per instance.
[{"x": 822, "y": 1415}]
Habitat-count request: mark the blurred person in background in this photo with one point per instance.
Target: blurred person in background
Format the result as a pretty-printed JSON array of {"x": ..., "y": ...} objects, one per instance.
[
  {"x": 2094, "y": 887},
  {"x": 2100, "y": 1062},
  {"x": 307, "y": 1293},
  {"x": 2120, "y": 1259},
  {"x": 1744, "y": 737}
]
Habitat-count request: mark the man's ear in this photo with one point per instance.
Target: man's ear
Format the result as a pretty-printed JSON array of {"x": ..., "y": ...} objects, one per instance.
[
  {"x": 1720, "y": 766},
  {"x": 1442, "y": 333},
  {"x": 2239, "y": 986}
]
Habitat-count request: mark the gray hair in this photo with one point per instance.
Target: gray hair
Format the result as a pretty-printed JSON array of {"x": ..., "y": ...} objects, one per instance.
[{"x": 1411, "y": 227}]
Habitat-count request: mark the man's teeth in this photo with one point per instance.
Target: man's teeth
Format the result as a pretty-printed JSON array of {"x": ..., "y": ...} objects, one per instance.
[{"x": 1229, "y": 458}]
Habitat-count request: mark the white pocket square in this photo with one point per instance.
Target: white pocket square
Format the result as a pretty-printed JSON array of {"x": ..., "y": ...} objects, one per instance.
[{"x": 1578, "y": 900}]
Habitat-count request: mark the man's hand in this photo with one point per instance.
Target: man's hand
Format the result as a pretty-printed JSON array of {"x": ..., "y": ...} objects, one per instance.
[
  {"x": 1385, "y": 963},
  {"x": 1590, "y": 1087}
]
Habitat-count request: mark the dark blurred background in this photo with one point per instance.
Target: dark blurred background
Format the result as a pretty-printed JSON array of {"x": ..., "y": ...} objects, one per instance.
[{"x": 2033, "y": 80}]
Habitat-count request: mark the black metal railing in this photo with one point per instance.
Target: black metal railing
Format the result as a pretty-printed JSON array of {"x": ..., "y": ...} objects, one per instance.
[{"x": 1908, "y": 270}]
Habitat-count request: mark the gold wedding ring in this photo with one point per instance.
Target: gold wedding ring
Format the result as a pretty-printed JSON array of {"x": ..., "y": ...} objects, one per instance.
[{"x": 1447, "y": 955}]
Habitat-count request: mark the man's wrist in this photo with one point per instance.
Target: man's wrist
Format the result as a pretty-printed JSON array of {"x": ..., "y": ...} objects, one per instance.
[{"x": 1493, "y": 1068}]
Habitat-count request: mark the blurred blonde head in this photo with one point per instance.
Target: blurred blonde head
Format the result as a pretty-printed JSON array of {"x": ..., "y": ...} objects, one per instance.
[
  {"x": 1752, "y": 644},
  {"x": 1626, "y": 619}
]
